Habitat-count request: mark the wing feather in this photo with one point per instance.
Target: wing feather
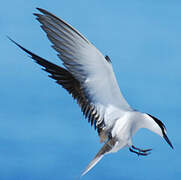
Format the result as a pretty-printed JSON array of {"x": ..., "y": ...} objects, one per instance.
[
  {"x": 88, "y": 75},
  {"x": 67, "y": 81},
  {"x": 86, "y": 64}
]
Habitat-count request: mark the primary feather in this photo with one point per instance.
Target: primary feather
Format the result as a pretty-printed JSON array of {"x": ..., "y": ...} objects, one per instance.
[{"x": 88, "y": 76}]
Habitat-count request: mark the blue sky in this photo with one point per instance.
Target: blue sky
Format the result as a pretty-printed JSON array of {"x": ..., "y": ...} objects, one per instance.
[{"x": 43, "y": 135}]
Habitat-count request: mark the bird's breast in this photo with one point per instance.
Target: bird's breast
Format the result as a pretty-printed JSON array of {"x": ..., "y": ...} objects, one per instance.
[{"x": 122, "y": 129}]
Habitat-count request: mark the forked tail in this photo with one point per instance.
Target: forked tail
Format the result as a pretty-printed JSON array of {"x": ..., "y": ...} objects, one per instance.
[{"x": 104, "y": 150}]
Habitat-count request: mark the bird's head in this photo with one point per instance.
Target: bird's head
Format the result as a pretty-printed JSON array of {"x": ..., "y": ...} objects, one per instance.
[{"x": 160, "y": 129}]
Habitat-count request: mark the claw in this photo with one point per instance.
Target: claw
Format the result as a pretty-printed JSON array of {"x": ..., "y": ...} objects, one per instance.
[{"x": 140, "y": 151}]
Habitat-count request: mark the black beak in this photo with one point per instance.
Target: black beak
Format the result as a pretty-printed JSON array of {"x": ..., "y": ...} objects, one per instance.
[{"x": 168, "y": 141}]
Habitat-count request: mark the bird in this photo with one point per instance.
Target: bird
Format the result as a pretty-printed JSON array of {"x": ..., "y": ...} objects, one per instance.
[{"x": 88, "y": 76}]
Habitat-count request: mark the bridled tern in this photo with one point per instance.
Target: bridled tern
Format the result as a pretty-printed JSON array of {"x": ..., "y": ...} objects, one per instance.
[{"x": 89, "y": 77}]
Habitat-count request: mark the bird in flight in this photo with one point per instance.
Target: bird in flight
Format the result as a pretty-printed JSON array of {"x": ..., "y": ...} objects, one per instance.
[{"x": 89, "y": 77}]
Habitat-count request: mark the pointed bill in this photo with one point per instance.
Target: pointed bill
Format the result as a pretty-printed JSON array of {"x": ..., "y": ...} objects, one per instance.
[{"x": 168, "y": 141}]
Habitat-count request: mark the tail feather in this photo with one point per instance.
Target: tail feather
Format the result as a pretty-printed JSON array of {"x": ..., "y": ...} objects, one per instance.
[
  {"x": 92, "y": 164},
  {"x": 104, "y": 150}
]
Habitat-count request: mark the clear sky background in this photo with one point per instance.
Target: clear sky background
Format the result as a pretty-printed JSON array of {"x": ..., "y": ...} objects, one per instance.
[{"x": 43, "y": 135}]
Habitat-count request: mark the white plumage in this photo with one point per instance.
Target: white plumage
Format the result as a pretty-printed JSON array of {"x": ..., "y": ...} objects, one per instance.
[{"x": 89, "y": 77}]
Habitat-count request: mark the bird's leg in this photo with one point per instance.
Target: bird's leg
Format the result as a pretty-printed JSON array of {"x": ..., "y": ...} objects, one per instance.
[{"x": 141, "y": 150}]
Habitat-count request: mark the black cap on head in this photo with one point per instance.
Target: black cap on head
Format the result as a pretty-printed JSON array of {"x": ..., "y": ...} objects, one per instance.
[{"x": 162, "y": 127}]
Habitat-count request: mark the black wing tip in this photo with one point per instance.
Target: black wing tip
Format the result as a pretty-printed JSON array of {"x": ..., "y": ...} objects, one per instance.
[
  {"x": 16, "y": 43},
  {"x": 45, "y": 12},
  {"x": 12, "y": 40},
  {"x": 36, "y": 14},
  {"x": 21, "y": 47},
  {"x": 41, "y": 10}
]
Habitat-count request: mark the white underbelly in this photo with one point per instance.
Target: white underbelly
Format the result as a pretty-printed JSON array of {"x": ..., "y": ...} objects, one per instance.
[{"x": 119, "y": 145}]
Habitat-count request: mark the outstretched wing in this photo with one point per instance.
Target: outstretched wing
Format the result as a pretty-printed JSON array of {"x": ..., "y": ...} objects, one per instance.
[
  {"x": 67, "y": 81},
  {"x": 87, "y": 65},
  {"x": 88, "y": 76}
]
